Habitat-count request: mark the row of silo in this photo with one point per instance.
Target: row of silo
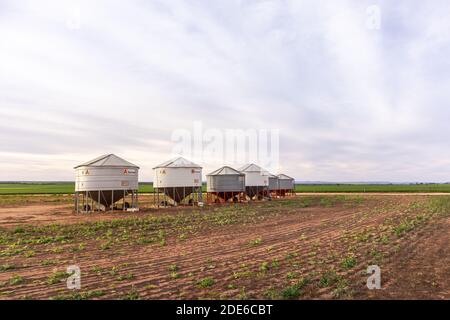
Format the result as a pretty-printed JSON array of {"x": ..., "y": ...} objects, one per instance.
[
  {"x": 250, "y": 181},
  {"x": 111, "y": 183}
]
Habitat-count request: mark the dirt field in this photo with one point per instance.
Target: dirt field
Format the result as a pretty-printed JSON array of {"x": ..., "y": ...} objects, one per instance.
[{"x": 306, "y": 247}]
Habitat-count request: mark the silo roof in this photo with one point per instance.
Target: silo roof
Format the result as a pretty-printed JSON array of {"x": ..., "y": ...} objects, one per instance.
[
  {"x": 284, "y": 177},
  {"x": 179, "y": 162},
  {"x": 251, "y": 168},
  {"x": 108, "y": 160},
  {"x": 224, "y": 171}
]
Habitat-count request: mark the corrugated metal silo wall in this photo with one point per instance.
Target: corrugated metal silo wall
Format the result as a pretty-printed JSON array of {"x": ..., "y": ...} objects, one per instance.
[{"x": 225, "y": 183}]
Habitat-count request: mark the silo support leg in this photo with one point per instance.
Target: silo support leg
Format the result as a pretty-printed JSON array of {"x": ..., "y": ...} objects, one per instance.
[
  {"x": 157, "y": 195},
  {"x": 137, "y": 199}
]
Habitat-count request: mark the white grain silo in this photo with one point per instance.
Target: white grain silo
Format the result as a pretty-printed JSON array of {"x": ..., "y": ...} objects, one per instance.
[
  {"x": 102, "y": 182},
  {"x": 224, "y": 184},
  {"x": 178, "y": 179},
  {"x": 286, "y": 185},
  {"x": 256, "y": 181}
]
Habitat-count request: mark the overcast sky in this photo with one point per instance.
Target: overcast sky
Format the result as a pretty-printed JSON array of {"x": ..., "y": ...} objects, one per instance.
[{"x": 353, "y": 102}]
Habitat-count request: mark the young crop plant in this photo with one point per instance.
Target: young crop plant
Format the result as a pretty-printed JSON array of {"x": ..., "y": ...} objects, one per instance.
[
  {"x": 56, "y": 277},
  {"x": 349, "y": 262},
  {"x": 264, "y": 267},
  {"x": 16, "y": 279},
  {"x": 133, "y": 294},
  {"x": 291, "y": 275},
  {"x": 173, "y": 267},
  {"x": 242, "y": 294},
  {"x": 256, "y": 242},
  {"x": 128, "y": 276},
  {"x": 271, "y": 294},
  {"x": 106, "y": 245},
  {"x": 328, "y": 279},
  {"x": 7, "y": 267},
  {"x": 294, "y": 291},
  {"x": 80, "y": 295},
  {"x": 275, "y": 263},
  {"x": 205, "y": 282},
  {"x": 342, "y": 290},
  {"x": 29, "y": 253}
]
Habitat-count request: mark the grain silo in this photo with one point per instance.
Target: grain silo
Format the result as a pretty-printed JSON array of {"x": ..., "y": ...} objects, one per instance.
[
  {"x": 273, "y": 184},
  {"x": 286, "y": 185},
  {"x": 256, "y": 181},
  {"x": 101, "y": 183},
  {"x": 177, "y": 181},
  {"x": 224, "y": 184}
]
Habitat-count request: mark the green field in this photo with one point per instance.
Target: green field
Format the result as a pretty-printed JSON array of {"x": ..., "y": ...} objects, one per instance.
[
  {"x": 374, "y": 188},
  {"x": 68, "y": 188},
  {"x": 50, "y": 188}
]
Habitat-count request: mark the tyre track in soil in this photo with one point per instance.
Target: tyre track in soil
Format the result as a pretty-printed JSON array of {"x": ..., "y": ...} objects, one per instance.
[{"x": 287, "y": 232}]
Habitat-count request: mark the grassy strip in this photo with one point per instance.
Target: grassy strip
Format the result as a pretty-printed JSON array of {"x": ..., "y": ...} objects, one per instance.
[{"x": 68, "y": 188}]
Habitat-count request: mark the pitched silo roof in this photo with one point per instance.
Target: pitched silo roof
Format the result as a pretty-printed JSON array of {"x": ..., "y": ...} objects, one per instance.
[
  {"x": 224, "y": 171},
  {"x": 108, "y": 160},
  {"x": 284, "y": 177},
  {"x": 179, "y": 162},
  {"x": 251, "y": 168}
]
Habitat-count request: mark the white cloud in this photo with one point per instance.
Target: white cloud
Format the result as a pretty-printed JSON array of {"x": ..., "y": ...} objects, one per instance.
[{"x": 351, "y": 103}]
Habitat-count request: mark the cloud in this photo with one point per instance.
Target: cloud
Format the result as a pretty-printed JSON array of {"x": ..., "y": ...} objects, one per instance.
[{"x": 82, "y": 78}]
